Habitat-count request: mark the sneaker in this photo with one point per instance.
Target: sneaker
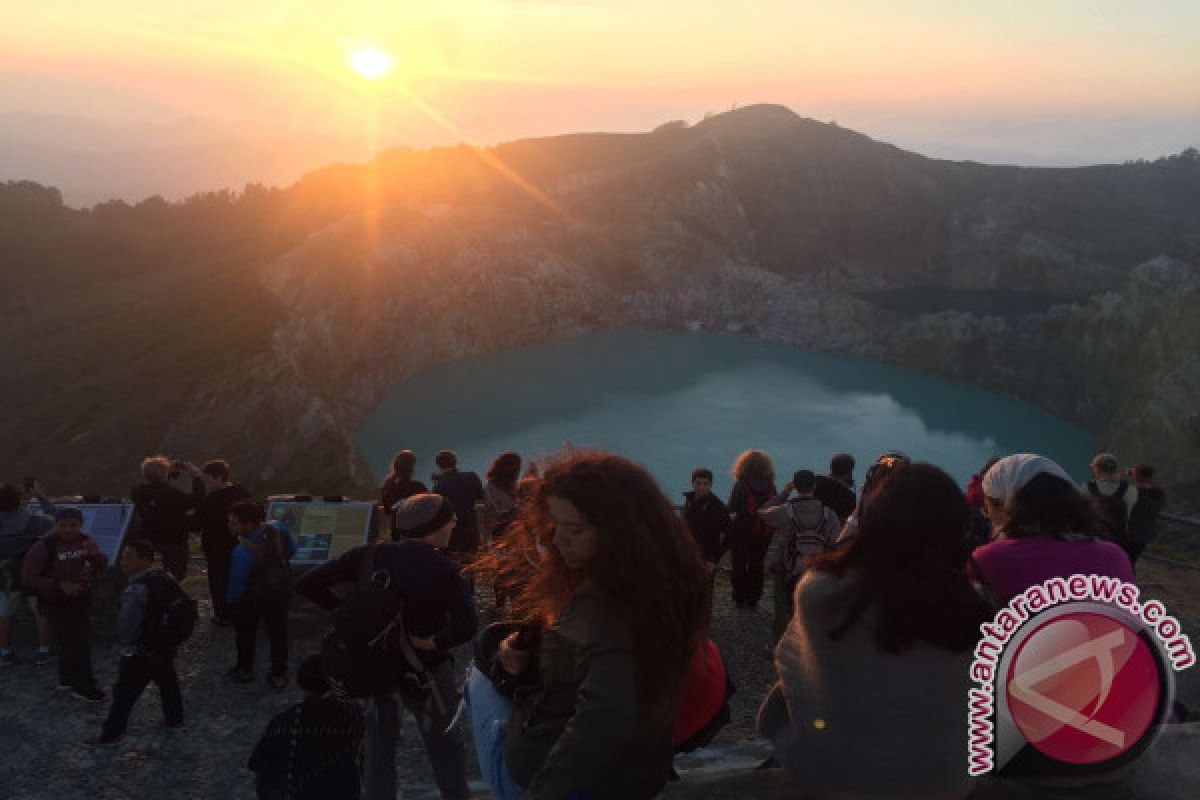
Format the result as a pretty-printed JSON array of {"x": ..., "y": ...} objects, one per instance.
[
  {"x": 174, "y": 726},
  {"x": 92, "y": 694},
  {"x": 238, "y": 676},
  {"x": 7, "y": 659},
  {"x": 64, "y": 687},
  {"x": 222, "y": 622},
  {"x": 43, "y": 658},
  {"x": 100, "y": 741}
]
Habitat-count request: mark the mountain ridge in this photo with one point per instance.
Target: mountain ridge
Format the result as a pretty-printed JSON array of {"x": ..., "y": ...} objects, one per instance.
[{"x": 264, "y": 325}]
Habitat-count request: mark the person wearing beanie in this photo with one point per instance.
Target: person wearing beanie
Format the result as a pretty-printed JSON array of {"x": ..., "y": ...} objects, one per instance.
[
  {"x": 439, "y": 614},
  {"x": 61, "y": 567},
  {"x": 313, "y": 749},
  {"x": 1045, "y": 529}
]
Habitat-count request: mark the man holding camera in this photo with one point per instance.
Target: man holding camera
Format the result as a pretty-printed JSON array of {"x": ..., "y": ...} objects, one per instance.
[{"x": 163, "y": 510}]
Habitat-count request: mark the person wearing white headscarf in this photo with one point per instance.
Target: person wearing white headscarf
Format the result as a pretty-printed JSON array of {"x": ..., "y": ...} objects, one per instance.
[
  {"x": 1008, "y": 476},
  {"x": 1040, "y": 537}
]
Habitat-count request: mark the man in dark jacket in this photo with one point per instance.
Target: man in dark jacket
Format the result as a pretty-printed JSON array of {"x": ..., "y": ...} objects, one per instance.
[
  {"x": 62, "y": 567},
  {"x": 141, "y": 660},
  {"x": 20, "y": 530},
  {"x": 260, "y": 589},
  {"x": 707, "y": 517},
  {"x": 439, "y": 614},
  {"x": 312, "y": 750},
  {"x": 163, "y": 511},
  {"x": 1143, "y": 519},
  {"x": 836, "y": 490},
  {"x": 464, "y": 490},
  {"x": 212, "y": 515}
]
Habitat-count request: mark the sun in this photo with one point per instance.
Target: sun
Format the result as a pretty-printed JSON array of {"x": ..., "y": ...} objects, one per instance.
[{"x": 371, "y": 62}]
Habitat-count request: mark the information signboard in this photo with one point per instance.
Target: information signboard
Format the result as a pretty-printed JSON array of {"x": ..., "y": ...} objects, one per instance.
[
  {"x": 323, "y": 531},
  {"x": 107, "y": 523}
]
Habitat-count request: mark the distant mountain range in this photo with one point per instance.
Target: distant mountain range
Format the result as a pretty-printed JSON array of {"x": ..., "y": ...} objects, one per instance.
[
  {"x": 264, "y": 326},
  {"x": 91, "y": 162}
]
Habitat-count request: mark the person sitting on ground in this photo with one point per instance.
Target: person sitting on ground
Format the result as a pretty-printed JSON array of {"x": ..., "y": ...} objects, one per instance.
[
  {"x": 874, "y": 668},
  {"x": 750, "y": 537},
  {"x": 707, "y": 518},
  {"x": 836, "y": 490},
  {"x": 62, "y": 567},
  {"x": 1046, "y": 529},
  {"x": 143, "y": 659},
  {"x": 260, "y": 588},
  {"x": 439, "y": 614},
  {"x": 399, "y": 484},
  {"x": 1114, "y": 496},
  {"x": 500, "y": 495},
  {"x": 313, "y": 749},
  {"x": 19, "y": 531},
  {"x": 609, "y": 616},
  {"x": 805, "y": 529},
  {"x": 1143, "y": 520},
  {"x": 218, "y": 542},
  {"x": 162, "y": 510},
  {"x": 464, "y": 490}
]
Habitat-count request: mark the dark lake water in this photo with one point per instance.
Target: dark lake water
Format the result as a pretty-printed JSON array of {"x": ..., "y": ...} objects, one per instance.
[{"x": 675, "y": 400}]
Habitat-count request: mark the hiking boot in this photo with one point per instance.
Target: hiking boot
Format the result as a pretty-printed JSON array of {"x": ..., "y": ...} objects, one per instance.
[
  {"x": 7, "y": 659},
  {"x": 92, "y": 694}
]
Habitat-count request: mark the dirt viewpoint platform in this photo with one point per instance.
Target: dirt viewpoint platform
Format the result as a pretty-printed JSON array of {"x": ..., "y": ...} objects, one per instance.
[{"x": 42, "y": 731}]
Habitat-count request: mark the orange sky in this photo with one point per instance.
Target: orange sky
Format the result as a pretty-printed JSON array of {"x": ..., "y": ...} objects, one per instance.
[{"x": 923, "y": 73}]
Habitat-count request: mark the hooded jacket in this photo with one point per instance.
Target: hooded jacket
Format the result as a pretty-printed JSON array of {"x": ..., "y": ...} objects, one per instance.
[{"x": 708, "y": 520}]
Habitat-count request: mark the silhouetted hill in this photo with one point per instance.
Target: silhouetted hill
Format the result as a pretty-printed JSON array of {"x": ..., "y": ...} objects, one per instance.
[{"x": 264, "y": 324}]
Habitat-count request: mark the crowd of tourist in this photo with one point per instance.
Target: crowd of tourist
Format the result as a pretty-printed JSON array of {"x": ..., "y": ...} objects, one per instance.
[{"x": 597, "y": 666}]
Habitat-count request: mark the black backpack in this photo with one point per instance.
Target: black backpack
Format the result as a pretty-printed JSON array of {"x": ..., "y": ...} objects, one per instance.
[
  {"x": 271, "y": 576},
  {"x": 368, "y": 651},
  {"x": 171, "y": 613},
  {"x": 1114, "y": 516}
]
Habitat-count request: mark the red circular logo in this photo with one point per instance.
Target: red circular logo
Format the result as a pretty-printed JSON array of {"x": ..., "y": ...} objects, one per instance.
[{"x": 1083, "y": 688}]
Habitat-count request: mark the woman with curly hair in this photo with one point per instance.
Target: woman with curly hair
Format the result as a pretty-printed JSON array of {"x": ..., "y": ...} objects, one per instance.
[
  {"x": 609, "y": 600},
  {"x": 500, "y": 494},
  {"x": 750, "y": 537}
]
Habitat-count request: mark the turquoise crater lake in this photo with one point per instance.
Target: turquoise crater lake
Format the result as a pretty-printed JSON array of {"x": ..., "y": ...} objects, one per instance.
[{"x": 677, "y": 400}]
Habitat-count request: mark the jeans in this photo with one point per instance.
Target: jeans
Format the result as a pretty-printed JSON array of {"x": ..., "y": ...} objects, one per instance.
[
  {"x": 72, "y": 629},
  {"x": 785, "y": 586},
  {"x": 749, "y": 555},
  {"x": 489, "y": 711},
  {"x": 446, "y": 748},
  {"x": 274, "y": 614},
  {"x": 135, "y": 675},
  {"x": 174, "y": 555},
  {"x": 218, "y": 557}
]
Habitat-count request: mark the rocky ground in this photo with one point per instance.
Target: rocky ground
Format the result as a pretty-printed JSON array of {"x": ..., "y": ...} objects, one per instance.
[{"x": 42, "y": 731}]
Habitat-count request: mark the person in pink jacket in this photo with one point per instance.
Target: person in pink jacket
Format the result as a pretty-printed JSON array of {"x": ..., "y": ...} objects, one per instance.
[{"x": 62, "y": 567}]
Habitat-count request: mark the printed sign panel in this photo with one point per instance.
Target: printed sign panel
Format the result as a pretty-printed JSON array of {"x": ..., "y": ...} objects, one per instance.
[
  {"x": 104, "y": 522},
  {"x": 323, "y": 531}
]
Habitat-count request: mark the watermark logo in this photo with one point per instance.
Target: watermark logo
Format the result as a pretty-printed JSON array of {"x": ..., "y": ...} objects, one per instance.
[{"x": 1085, "y": 682}]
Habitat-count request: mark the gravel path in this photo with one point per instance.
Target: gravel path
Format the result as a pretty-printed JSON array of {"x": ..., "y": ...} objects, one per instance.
[{"x": 42, "y": 731}]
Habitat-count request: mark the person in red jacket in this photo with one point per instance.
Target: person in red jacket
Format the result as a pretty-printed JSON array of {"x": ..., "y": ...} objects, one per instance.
[{"x": 62, "y": 568}]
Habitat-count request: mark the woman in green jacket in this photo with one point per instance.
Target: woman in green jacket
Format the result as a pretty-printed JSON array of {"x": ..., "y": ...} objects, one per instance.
[{"x": 611, "y": 606}]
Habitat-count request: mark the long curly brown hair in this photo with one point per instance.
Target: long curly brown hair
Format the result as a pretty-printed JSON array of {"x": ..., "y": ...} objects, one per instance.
[{"x": 647, "y": 563}]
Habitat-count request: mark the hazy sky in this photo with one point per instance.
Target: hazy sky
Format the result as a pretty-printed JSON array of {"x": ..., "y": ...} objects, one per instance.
[{"x": 1043, "y": 81}]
